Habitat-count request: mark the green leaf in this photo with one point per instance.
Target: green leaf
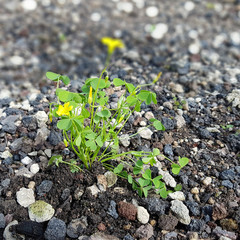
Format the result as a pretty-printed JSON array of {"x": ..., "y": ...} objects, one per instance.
[
  {"x": 118, "y": 82},
  {"x": 145, "y": 191},
  {"x": 101, "y": 93},
  {"x": 183, "y": 161},
  {"x": 131, "y": 100},
  {"x": 94, "y": 83},
  {"x": 91, "y": 144},
  {"x": 154, "y": 98},
  {"x": 139, "y": 164},
  {"x": 147, "y": 174},
  {"x": 65, "y": 79},
  {"x": 143, "y": 95},
  {"x": 52, "y": 76},
  {"x": 78, "y": 140},
  {"x": 156, "y": 151},
  {"x": 77, "y": 98},
  {"x": 163, "y": 193},
  {"x": 143, "y": 182},
  {"x": 175, "y": 168},
  {"x": 130, "y": 87},
  {"x": 136, "y": 170},
  {"x": 137, "y": 106},
  {"x": 104, "y": 113},
  {"x": 55, "y": 159},
  {"x": 99, "y": 141},
  {"x": 146, "y": 160},
  {"x": 178, "y": 187},
  {"x": 85, "y": 113},
  {"x": 158, "y": 125},
  {"x": 156, "y": 181},
  {"x": 118, "y": 169},
  {"x": 149, "y": 99},
  {"x": 79, "y": 123},
  {"x": 65, "y": 96},
  {"x": 91, "y": 136},
  {"x": 64, "y": 124},
  {"x": 130, "y": 179},
  {"x": 123, "y": 174}
]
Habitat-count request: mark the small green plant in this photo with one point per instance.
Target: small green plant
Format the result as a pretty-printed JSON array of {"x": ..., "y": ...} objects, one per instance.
[
  {"x": 91, "y": 128},
  {"x": 178, "y": 104},
  {"x": 228, "y": 126}
]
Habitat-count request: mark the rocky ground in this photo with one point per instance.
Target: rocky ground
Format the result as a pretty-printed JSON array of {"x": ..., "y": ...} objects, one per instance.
[{"x": 196, "y": 44}]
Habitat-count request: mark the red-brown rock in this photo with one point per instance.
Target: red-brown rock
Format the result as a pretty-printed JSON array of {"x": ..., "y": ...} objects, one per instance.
[{"x": 127, "y": 210}]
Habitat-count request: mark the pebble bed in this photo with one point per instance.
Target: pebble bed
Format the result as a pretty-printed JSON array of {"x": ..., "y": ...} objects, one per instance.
[{"x": 196, "y": 44}]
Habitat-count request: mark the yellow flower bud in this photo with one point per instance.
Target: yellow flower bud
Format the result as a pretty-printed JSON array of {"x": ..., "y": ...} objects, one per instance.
[
  {"x": 50, "y": 116},
  {"x": 65, "y": 142},
  {"x": 90, "y": 96},
  {"x": 120, "y": 119}
]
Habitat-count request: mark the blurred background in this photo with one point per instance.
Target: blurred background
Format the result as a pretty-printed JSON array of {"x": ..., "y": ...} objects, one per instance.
[{"x": 64, "y": 36}]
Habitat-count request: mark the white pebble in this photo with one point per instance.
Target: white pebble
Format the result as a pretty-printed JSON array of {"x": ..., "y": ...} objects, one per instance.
[
  {"x": 96, "y": 17},
  {"x": 26, "y": 160},
  {"x": 189, "y": 6},
  {"x": 125, "y": 7},
  {"x": 207, "y": 181},
  {"x": 29, "y": 5},
  {"x": 145, "y": 132},
  {"x": 25, "y": 197},
  {"x": 194, "y": 48},
  {"x": 142, "y": 215},
  {"x": 152, "y": 11},
  {"x": 235, "y": 37},
  {"x": 17, "y": 60},
  {"x": 159, "y": 31},
  {"x": 193, "y": 34},
  {"x": 34, "y": 168}
]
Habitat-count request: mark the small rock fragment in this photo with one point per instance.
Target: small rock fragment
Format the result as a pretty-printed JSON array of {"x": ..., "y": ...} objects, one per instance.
[
  {"x": 144, "y": 232},
  {"x": 127, "y": 210},
  {"x": 142, "y": 215},
  {"x": 181, "y": 212},
  {"x": 25, "y": 197},
  {"x": 40, "y": 211},
  {"x": 167, "y": 222},
  {"x": 56, "y": 230}
]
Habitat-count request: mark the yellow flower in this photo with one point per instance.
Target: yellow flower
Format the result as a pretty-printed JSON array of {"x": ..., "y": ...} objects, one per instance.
[
  {"x": 50, "y": 116},
  {"x": 112, "y": 44},
  {"x": 90, "y": 96},
  {"x": 64, "y": 110},
  {"x": 65, "y": 142},
  {"x": 120, "y": 119}
]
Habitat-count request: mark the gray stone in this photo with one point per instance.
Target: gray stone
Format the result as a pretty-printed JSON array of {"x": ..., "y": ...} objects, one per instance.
[
  {"x": 56, "y": 230},
  {"x": 16, "y": 144},
  {"x": 76, "y": 227},
  {"x": 178, "y": 195},
  {"x": 2, "y": 221},
  {"x": 27, "y": 160},
  {"x": 168, "y": 150},
  {"x": 227, "y": 183},
  {"x": 234, "y": 98},
  {"x": 167, "y": 222},
  {"x": 44, "y": 187},
  {"x": 181, "y": 211},
  {"x": 167, "y": 177},
  {"x": 102, "y": 236},
  {"x": 180, "y": 121},
  {"x": 41, "y": 117},
  {"x": 55, "y": 138},
  {"x": 168, "y": 123},
  {"x": 196, "y": 225},
  {"x": 24, "y": 172},
  {"x": 228, "y": 174},
  {"x": 144, "y": 231},
  {"x": 156, "y": 206},
  {"x": 124, "y": 139},
  {"x": 5, "y": 182},
  {"x": 112, "y": 211}
]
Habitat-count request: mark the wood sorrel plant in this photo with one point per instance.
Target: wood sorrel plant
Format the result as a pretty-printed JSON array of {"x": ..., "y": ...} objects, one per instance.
[{"x": 91, "y": 129}]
